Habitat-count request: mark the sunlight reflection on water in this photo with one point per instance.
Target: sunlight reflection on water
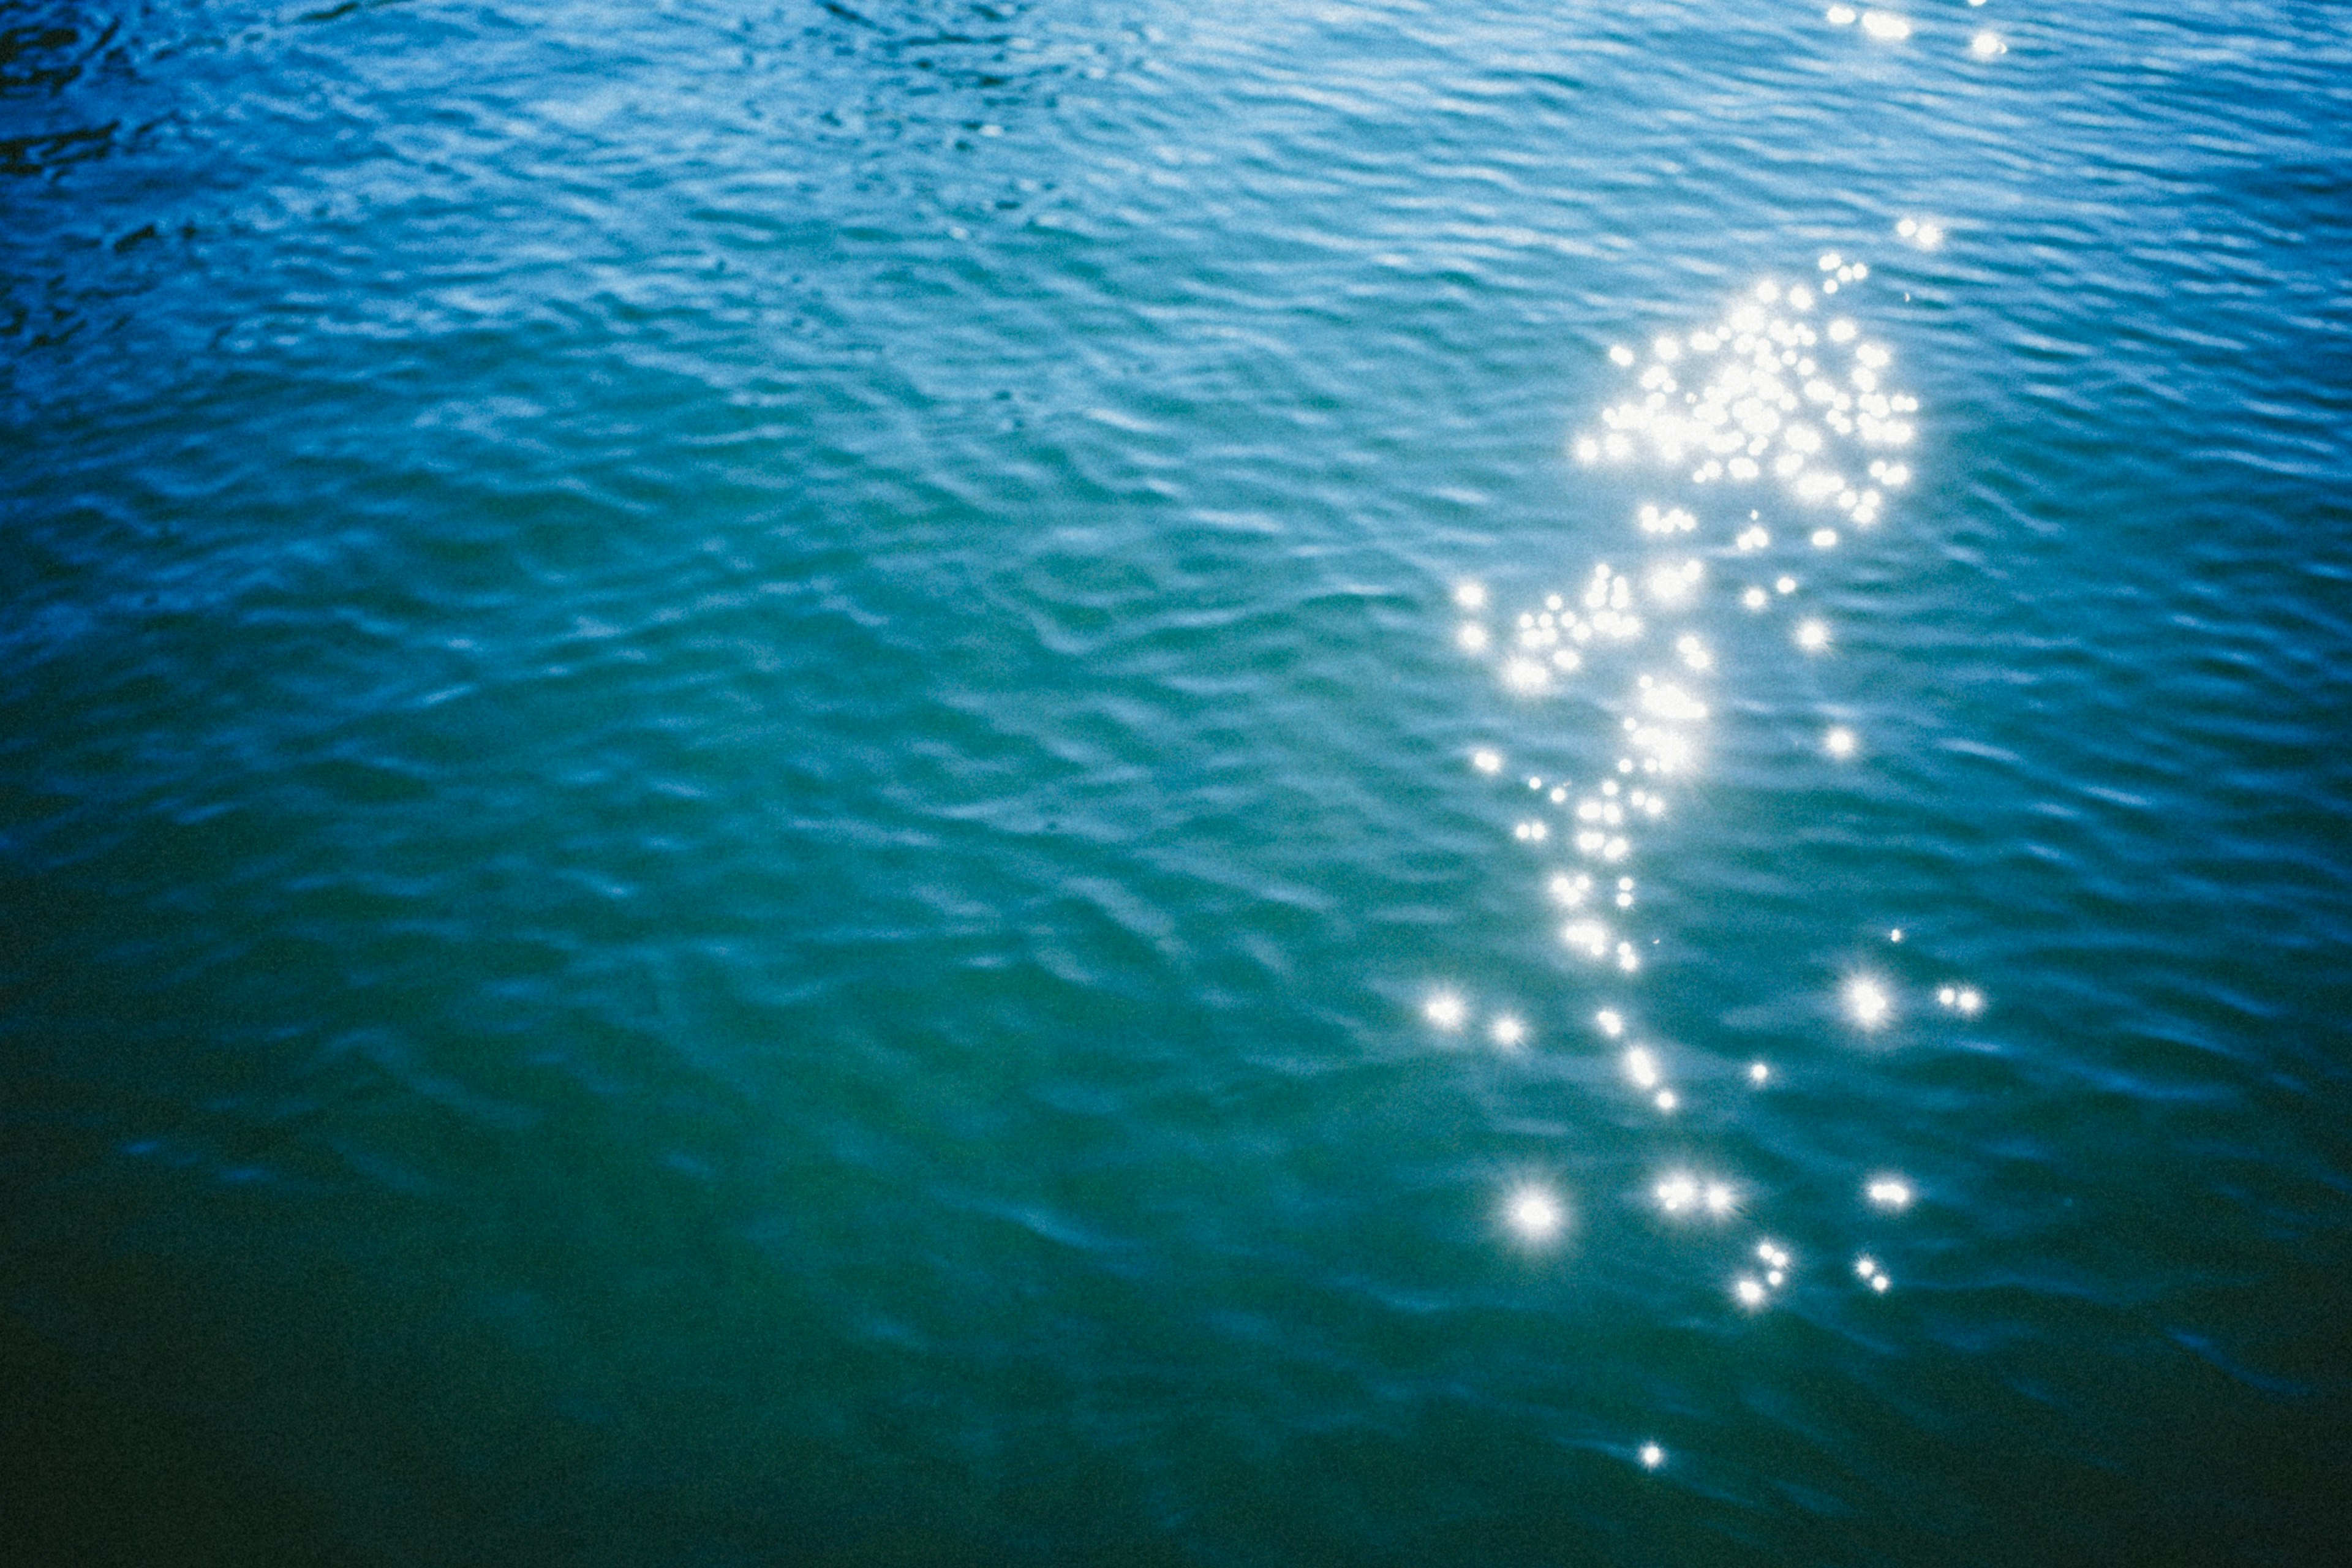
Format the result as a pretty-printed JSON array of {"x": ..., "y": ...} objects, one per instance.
[{"x": 1763, "y": 396}]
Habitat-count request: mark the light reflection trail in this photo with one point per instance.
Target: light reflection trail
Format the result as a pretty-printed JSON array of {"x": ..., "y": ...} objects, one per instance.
[{"x": 1782, "y": 430}]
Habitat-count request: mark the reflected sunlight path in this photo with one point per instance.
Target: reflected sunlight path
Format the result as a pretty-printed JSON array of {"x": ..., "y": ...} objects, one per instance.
[{"x": 1774, "y": 432}]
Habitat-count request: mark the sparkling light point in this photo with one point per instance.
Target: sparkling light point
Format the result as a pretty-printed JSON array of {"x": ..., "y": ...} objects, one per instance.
[
  {"x": 1534, "y": 1214},
  {"x": 1868, "y": 1002}
]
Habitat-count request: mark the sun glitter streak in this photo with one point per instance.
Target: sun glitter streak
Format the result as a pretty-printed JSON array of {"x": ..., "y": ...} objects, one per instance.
[{"x": 1778, "y": 404}]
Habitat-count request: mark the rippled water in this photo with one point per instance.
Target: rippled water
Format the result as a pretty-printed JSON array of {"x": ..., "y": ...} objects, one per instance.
[{"x": 766, "y": 783}]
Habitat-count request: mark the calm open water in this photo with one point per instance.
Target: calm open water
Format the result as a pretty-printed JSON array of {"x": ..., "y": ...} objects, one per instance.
[{"x": 765, "y": 783}]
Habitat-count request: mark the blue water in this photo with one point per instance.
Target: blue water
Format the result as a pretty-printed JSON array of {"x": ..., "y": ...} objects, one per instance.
[{"x": 764, "y": 783}]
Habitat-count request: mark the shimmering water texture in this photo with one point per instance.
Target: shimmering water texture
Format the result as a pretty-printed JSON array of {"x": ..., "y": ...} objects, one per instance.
[
  {"x": 1042, "y": 783},
  {"x": 1765, "y": 392}
]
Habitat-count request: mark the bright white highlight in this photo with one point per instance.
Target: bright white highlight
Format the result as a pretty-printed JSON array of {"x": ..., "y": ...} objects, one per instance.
[
  {"x": 1868, "y": 1003},
  {"x": 1534, "y": 1214},
  {"x": 1888, "y": 1193},
  {"x": 1446, "y": 1010}
]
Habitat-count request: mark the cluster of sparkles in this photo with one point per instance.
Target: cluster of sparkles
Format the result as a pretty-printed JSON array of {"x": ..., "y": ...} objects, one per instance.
[
  {"x": 1681, "y": 1192},
  {"x": 1921, "y": 232},
  {"x": 1893, "y": 28},
  {"x": 1642, "y": 1069},
  {"x": 1550, "y": 642},
  {"x": 1765, "y": 395},
  {"x": 1888, "y": 1193},
  {"x": 1886, "y": 24},
  {"x": 1754, "y": 1292},
  {"x": 1965, "y": 1000},
  {"x": 1450, "y": 1011},
  {"x": 1769, "y": 391}
]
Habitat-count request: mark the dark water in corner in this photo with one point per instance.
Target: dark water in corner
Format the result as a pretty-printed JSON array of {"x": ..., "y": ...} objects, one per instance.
[{"x": 737, "y": 769}]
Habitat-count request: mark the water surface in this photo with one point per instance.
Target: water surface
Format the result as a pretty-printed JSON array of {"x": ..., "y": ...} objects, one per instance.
[{"x": 744, "y": 818}]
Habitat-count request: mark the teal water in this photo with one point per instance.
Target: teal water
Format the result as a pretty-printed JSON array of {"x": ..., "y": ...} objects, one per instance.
[{"x": 744, "y": 817}]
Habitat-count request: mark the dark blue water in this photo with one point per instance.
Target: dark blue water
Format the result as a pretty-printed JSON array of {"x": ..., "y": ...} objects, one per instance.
[{"x": 765, "y": 784}]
